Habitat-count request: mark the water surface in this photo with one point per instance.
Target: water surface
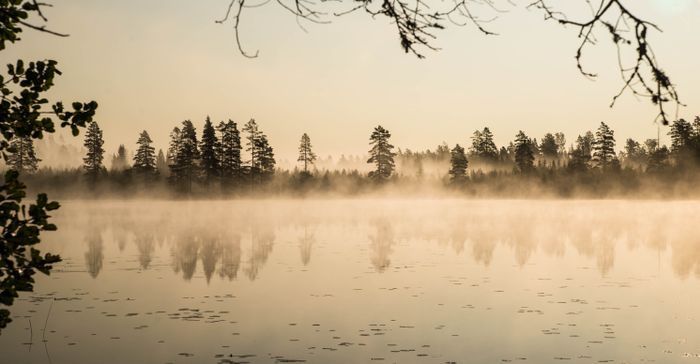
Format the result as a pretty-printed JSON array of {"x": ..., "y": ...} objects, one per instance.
[{"x": 367, "y": 280}]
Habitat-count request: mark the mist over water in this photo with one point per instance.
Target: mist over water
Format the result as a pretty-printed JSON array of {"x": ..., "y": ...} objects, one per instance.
[{"x": 396, "y": 280}]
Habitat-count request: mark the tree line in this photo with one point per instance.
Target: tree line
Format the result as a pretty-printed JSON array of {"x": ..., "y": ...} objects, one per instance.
[{"x": 226, "y": 158}]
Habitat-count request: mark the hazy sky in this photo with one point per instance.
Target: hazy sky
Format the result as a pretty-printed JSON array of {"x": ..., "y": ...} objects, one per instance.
[{"x": 153, "y": 63}]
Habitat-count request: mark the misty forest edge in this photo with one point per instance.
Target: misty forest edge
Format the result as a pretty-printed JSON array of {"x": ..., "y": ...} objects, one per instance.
[{"x": 226, "y": 161}]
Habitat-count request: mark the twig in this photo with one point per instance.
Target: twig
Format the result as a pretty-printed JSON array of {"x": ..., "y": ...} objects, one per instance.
[{"x": 43, "y": 336}]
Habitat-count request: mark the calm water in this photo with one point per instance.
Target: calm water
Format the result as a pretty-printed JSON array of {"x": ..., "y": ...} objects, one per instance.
[{"x": 368, "y": 280}]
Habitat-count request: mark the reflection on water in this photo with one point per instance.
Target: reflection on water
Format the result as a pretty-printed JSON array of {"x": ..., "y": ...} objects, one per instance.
[
  {"x": 247, "y": 270},
  {"x": 200, "y": 239}
]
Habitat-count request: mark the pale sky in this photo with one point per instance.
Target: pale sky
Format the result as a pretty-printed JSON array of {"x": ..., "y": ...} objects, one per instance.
[{"x": 153, "y": 63}]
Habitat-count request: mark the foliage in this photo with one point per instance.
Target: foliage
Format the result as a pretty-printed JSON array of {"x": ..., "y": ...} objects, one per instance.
[
  {"x": 524, "y": 155},
  {"x": 458, "y": 164},
  {"x": 230, "y": 152},
  {"x": 483, "y": 145},
  {"x": 381, "y": 154},
  {"x": 22, "y": 157},
  {"x": 184, "y": 156},
  {"x": 19, "y": 260},
  {"x": 209, "y": 147},
  {"x": 25, "y": 114},
  {"x": 306, "y": 154},
  {"x": 92, "y": 163},
  {"x": 145, "y": 157},
  {"x": 604, "y": 147}
]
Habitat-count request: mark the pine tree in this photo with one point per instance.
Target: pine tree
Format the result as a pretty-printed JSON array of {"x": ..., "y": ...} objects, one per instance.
[
  {"x": 145, "y": 157},
  {"x": 524, "y": 156},
  {"x": 549, "y": 147},
  {"x": 306, "y": 155},
  {"x": 173, "y": 148},
  {"x": 120, "y": 160},
  {"x": 266, "y": 158},
  {"x": 658, "y": 160},
  {"x": 229, "y": 151},
  {"x": 22, "y": 157},
  {"x": 604, "y": 147},
  {"x": 185, "y": 156},
  {"x": 253, "y": 146},
  {"x": 92, "y": 162},
  {"x": 209, "y": 149},
  {"x": 483, "y": 145},
  {"x": 381, "y": 154},
  {"x": 681, "y": 134},
  {"x": 458, "y": 163},
  {"x": 635, "y": 155}
]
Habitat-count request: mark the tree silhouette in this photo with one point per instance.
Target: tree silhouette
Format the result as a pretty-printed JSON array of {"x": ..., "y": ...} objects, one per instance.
[
  {"x": 208, "y": 148},
  {"x": 230, "y": 152},
  {"x": 262, "y": 156},
  {"x": 549, "y": 147},
  {"x": 266, "y": 158},
  {"x": 524, "y": 156},
  {"x": 92, "y": 163},
  {"x": 381, "y": 154},
  {"x": 604, "y": 147},
  {"x": 306, "y": 155},
  {"x": 252, "y": 137},
  {"x": 145, "y": 157},
  {"x": 483, "y": 145},
  {"x": 22, "y": 157},
  {"x": 681, "y": 140},
  {"x": 185, "y": 156},
  {"x": 458, "y": 163}
]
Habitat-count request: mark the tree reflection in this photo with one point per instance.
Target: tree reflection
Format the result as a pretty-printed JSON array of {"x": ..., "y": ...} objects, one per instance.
[
  {"x": 262, "y": 239},
  {"x": 381, "y": 244},
  {"x": 243, "y": 243},
  {"x": 210, "y": 254},
  {"x": 145, "y": 243},
  {"x": 185, "y": 254},
  {"x": 94, "y": 255},
  {"x": 306, "y": 242},
  {"x": 230, "y": 258}
]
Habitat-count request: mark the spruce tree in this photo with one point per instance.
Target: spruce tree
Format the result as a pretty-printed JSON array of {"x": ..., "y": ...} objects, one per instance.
[
  {"x": 381, "y": 154},
  {"x": 22, "y": 157},
  {"x": 229, "y": 152},
  {"x": 209, "y": 149},
  {"x": 458, "y": 163},
  {"x": 306, "y": 155},
  {"x": 145, "y": 157},
  {"x": 173, "y": 149},
  {"x": 524, "y": 156},
  {"x": 604, "y": 147},
  {"x": 682, "y": 141},
  {"x": 549, "y": 147},
  {"x": 252, "y": 136},
  {"x": 187, "y": 156},
  {"x": 92, "y": 162},
  {"x": 266, "y": 158}
]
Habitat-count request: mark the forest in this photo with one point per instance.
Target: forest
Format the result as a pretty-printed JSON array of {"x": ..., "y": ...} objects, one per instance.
[{"x": 228, "y": 160}]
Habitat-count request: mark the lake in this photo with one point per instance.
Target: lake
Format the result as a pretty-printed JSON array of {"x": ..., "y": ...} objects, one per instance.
[{"x": 355, "y": 281}]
